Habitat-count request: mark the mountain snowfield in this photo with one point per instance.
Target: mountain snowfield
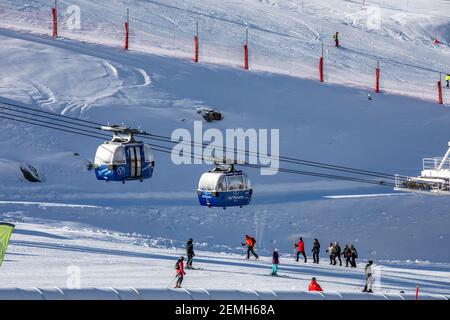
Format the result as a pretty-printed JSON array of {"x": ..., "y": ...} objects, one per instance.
[{"x": 130, "y": 235}]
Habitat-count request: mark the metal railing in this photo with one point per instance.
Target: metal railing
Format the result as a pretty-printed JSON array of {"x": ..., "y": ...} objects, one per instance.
[{"x": 434, "y": 163}]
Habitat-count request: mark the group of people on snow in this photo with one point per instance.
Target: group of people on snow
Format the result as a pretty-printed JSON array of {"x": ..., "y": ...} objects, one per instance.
[
  {"x": 334, "y": 251},
  {"x": 179, "y": 266},
  {"x": 349, "y": 253}
]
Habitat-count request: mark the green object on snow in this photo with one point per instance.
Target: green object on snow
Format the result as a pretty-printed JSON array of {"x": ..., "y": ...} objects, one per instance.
[{"x": 6, "y": 230}]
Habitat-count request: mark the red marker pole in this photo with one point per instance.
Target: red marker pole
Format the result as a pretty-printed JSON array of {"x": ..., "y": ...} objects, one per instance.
[
  {"x": 196, "y": 45},
  {"x": 417, "y": 293},
  {"x": 377, "y": 78},
  {"x": 127, "y": 30},
  {"x": 246, "y": 50},
  {"x": 440, "y": 101},
  {"x": 55, "y": 21},
  {"x": 321, "y": 66}
]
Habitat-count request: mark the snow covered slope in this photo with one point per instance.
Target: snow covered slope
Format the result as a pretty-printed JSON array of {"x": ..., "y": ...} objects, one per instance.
[
  {"x": 122, "y": 260},
  {"x": 329, "y": 123},
  {"x": 285, "y": 36}
]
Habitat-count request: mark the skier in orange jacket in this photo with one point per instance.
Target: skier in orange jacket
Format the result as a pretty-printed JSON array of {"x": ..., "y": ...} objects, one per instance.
[{"x": 250, "y": 243}]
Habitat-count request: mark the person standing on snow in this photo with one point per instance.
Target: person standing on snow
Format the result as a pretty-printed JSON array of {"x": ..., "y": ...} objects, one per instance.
[
  {"x": 190, "y": 253},
  {"x": 331, "y": 252},
  {"x": 316, "y": 250},
  {"x": 336, "y": 39},
  {"x": 179, "y": 267},
  {"x": 338, "y": 253},
  {"x": 275, "y": 262},
  {"x": 300, "y": 249},
  {"x": 250, "y": 243},
  {"x": 354, "y": 256},
  {"x": 347, "y": 253},
  {"x": 369, "y": 279},
  {"x": 314, "y": 286},
  {"x": 447, "y": 78}
]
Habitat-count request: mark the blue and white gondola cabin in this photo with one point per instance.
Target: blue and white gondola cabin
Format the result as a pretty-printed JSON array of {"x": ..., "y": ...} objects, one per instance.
[
  {"x": 123, "y": 159},
  {"x": 224, "y": 188}
]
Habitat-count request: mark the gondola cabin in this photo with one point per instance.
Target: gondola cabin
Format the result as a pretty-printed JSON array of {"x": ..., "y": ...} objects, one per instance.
[
  {"x": 123, "y": 158},
  {"x": 224, "y": 188}
]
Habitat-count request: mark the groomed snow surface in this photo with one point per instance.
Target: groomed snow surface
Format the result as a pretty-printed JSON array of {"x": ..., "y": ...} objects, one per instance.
[
  {"x": 55, "y": 256},
  {"x": 130, "y": 235}
]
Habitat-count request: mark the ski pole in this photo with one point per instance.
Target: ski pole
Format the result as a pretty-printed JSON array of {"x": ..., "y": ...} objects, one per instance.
[{"x": 168, "y": 285}]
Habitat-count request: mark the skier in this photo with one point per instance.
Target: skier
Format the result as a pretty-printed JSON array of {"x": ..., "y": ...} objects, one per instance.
[
  {"x": 315, "y": 250},
  {"x": 300, "y": 249},
  {"x": 180, "y": 272},
  {"x": 338, "y": 253},
  {"x": 331, "y": 252},
  {"x": 347, "y": 253},
  {"x": 336, "y": 39},
  {"x": 354, "y": 256},
  {"x": 447, "y": 79},
  {"x": 190, "y": 253},
  {"x": 368, "y": 272},
  {"x": 250, "y": 243},
  {"x": 275, "y": 262},
  {"x": 314, "y": 286}
]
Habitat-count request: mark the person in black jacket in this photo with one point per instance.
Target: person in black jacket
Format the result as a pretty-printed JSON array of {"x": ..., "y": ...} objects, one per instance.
[
  {"x": 315, "y": 250},
  {"x": 275, "y": 262},
  {"x": 354, "y": 256},
  {"x": 190, "y": 253},
  {"x": 347, "y": 253},
  {"x": 338, "y": 252}
]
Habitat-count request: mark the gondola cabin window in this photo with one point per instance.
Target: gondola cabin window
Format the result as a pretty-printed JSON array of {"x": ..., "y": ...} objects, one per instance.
[
  {"x": 119, "y": 156},
  {"x": 103, "y": 155},
  {"x": 235, "y": 183},
  {"x": 148, "y": 156}
]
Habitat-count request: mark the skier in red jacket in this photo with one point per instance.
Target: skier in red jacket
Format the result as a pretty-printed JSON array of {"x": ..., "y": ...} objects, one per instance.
[
  {"x": 250, "y": 243},
  {"x": 314, "y": 286},
  {"x": 300, "y": 249},
  {"x": 180, "y": 272}
]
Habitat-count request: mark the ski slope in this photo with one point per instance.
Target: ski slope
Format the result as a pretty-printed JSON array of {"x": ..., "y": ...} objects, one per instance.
[
  {"x": 105, "y": 259},
  {"x": 125, "y": 235},
  {"x": 285, "y": 36}
]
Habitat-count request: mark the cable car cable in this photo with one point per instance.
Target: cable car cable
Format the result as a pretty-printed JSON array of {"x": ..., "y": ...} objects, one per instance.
[
  {"x": 168, "y": 139},
  {"x": 168, "y": 150},
  {"x": 46, "y": 117},
  {"x": 50, "y": 127},
  {"x": 50, "y": 113},
  {"x": 50, "y": 123},
  {"x": 296, "y": 161}
]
